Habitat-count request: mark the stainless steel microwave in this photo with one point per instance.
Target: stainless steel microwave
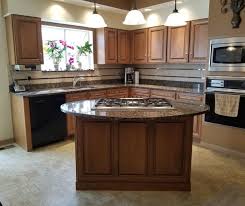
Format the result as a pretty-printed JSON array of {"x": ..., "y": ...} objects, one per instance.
[{"x": 227, "y": 54}]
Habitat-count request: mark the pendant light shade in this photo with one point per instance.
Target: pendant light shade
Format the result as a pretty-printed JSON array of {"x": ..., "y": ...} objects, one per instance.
[
  {"x": 96, "y": 20},
  {"x": 134, "y": 17},
  {"x": 175, "y": 19}
]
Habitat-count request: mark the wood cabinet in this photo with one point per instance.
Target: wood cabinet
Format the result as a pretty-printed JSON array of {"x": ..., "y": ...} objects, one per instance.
[
  {"x": 193, "y": 99},
  {"x": 166, "y": 160},
  {"x": 157, "y": 44},
  {"x": 106, "y": 45},
  {"x": 139, "y": 93},
  {"x": 132, "y": 161},
  {"x": 139, "y": 46},
  {"x": 117, "y": 93},
  {"x": 133, "y": 155},
  {"x": 199, "y": 41},
  {"x": 97, "y": 144},
  {"x": 97, "y": 94},
  {"x": 157, "y": 93},
  {"x": 24, "y": 40},
  {"x": 71, "y": 123},
  {"x": 178, "y": 44},
  {"x": 123, "y": 47}
]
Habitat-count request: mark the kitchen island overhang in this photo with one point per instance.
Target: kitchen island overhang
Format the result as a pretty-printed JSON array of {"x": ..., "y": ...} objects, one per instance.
[{"x": 133, "y": 149}]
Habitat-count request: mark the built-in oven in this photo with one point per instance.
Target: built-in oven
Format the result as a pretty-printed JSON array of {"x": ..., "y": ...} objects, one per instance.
[
  {"x": 225, "y": 86},
  {"x": 227, "y": 54}
]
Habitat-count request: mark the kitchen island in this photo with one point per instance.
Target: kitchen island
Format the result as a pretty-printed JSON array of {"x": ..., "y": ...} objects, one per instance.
[{"x": 133, "y": 148}]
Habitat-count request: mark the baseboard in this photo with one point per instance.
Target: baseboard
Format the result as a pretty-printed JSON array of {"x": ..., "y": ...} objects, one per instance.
[
  {"x": 6, "y": 142},
  {"x": 220, "y": 149}
]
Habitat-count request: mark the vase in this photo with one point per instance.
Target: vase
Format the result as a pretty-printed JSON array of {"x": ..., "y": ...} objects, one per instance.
[
  {"x": 56, "y": 67},
  {"x": 80, "y": 66}
]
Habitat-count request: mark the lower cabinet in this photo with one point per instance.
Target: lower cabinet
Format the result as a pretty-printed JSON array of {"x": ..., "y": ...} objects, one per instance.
[
  {"x": 133, "y": 155},
  {"x": 157, "y": 93},
  {"x": 70, "y": 118},
  {"x": 139, "y": 93}
]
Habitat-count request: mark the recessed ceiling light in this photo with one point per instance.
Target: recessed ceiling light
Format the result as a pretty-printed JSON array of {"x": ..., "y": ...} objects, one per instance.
[{"x": 147, "y": 9}]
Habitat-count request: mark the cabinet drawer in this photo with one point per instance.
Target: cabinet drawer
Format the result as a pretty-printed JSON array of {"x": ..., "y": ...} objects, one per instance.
[
  {"x": 97, "y": 94},
  {"x": 139, "y": 93},
  {"x": 117, "y": 91},
  {"x": 76, "y": 96},
  {"x": 188, "y": 97},
  {"x": 162, "y": 94}
]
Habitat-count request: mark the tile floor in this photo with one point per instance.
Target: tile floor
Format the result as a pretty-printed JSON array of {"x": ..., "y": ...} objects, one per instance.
[{"x": 46, "y": 177}]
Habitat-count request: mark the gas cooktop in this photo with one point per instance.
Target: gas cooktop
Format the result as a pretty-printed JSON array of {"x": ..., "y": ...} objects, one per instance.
[{"x": 133, "y": 103}]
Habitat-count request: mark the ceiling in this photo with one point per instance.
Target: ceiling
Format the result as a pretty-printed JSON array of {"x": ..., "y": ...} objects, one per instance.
[{"x": 119, "y": 4}]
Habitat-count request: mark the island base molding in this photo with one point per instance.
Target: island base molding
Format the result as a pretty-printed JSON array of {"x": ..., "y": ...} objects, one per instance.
[
  {"x": 131, "y": 186},
  {"x": 144, "y": 155}
]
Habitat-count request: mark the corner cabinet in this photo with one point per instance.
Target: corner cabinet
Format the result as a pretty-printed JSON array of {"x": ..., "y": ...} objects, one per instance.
[
  {"x": 106, "y": 46},
  {"x": 178, "y": 44},
  {"x": 24, "y": 40},
  {"x": 139, "y": 46},
  {"x": 157, "y": 44},
  {"x": 113, "y": 46},
  {"x": 199, "y": 41}
]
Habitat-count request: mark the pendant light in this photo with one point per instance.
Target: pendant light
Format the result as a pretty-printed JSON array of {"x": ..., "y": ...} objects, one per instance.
[
  {"x": 96, "y": 20},
  {"x": 134, "y": 17},
  {"x": 175, "y": 19}
]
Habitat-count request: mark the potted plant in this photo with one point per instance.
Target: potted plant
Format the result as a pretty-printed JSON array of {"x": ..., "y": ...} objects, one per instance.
[
  {"x": 55, "y": 50},
  {"x": 83, "y": 50}
]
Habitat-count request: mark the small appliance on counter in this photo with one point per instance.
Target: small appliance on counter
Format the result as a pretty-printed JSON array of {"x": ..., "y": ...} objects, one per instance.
[
  {"x": 136, "y": 77},
  {"x": 129, "y": 75}
]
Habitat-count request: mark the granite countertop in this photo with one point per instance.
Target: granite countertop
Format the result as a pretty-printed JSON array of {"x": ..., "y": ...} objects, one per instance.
[
  {"x": 65, "y": 90},
  {"x": 86, "y": 109}
]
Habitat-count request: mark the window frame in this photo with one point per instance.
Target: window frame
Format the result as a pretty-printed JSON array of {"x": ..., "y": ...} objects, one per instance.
[{"x": 70, "y": 26}]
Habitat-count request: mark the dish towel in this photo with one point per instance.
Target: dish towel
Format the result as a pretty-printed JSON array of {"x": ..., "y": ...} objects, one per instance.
[{"x": 227, "y": 104}]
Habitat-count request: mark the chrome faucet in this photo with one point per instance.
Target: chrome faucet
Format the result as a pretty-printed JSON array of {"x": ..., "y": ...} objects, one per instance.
[{"x": 76, "y": 79}]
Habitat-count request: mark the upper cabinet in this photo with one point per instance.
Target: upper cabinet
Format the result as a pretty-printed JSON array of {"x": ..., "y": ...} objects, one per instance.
[
  {"x": 24, "y": 40},
  {"x": 113, "y": 46},
  {"x": 199, "y": 41},
  {"x": 178, "y": 44},
  {"x": 123, "y": 47},
  {"x": 139, "y": 43},
  {"x": 157, "y": 44},
  {"x": 106, "y": 46}
]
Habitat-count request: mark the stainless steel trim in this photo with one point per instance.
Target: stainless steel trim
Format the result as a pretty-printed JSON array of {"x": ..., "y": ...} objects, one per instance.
[
  {"x": 228, "y": 40},
  {"x": 226, "y": 77},
  {"x": 131, "y": 108},
  {"x": 225, "y": 90}
]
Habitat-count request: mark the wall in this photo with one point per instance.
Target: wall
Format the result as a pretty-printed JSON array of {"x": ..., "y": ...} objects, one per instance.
[
  {"x": 5, "y": 110},
  {"x": 220, "y": 24},
  {"x": 191, "y": 10},
  {"x": 54, "y": 11}
]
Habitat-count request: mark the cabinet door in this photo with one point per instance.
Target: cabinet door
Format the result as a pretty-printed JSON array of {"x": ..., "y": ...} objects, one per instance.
[
  {"x": 167, "y": 161},
  {"x": 97, "y": 153},
  {"x": 197, "y": 127},
  {"x": 27, "y": 40},
  {"x": 110, "y": 46},
  {"x": 199, "y": 41},
  {"x": 157, "y": 44},
  {"x": 140, "y": 46},
  {"x": 178, "y": 44},
  {"x": 132, "y": 148},
  {"x": 71, "y": 120},
  {"x": 123, "y": 47}
]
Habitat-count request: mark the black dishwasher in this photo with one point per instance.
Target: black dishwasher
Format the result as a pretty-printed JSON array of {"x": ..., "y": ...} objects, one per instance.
[{"x": 48, "y": 123}]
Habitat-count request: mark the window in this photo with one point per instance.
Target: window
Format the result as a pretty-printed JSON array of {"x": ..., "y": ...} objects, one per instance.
[{"x": 67, "y": 49}]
